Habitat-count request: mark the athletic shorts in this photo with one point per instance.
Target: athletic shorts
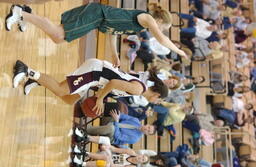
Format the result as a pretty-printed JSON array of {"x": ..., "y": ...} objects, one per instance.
[{"x": 81, "y": 20}]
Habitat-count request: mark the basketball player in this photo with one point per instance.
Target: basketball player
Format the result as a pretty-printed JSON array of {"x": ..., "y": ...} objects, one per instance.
[
  {"x": 91, "y": 73},
  {"x": 114, "y": 21}
]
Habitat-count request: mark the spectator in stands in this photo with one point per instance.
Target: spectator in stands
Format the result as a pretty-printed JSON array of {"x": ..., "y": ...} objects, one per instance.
[
  {"x": 161, "y": 161},
  {"x": 231, "y": 12},
  {"x": 229, "y": 117},
  {"x": 243, "y": 59},
  {"x": 242, "y": 23},
  {"x": 109, "y": 155},
  {"x": 197, "y": 27},
  {"x": 124, "y": 130},
  {"x": 203, "y": 49},
  {"x": 190, "y": 83},
  {"x": 237, "y": 104},
  {"x": 102, "y": 17},
  {"x": 176, "y": 113},
  {"x": 240, "y": 36},
  {"x": 212, "y": 10},
  {"x": 217, "y": 36},
  {"x": 237, "y": 77},
  {"x": 236, "y": 90}
]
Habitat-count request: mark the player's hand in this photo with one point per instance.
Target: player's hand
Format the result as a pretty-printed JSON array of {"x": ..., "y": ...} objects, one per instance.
[
  {"x": 115, "y": 115},
  {"x": 183, "y": 54},
  {"x": 99, "y": 106},
  {"x": 115, "y": 61}
]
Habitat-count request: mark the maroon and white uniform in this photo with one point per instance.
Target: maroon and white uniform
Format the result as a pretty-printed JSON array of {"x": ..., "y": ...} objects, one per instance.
[{"x": 94, "y": 72}]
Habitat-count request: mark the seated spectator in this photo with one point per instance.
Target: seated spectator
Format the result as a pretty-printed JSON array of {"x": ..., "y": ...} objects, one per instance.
[
  {"x": 240, "y": 36},
  {"x": 241, "y": 23},
  {"x": 161, "y": 161},
  {"x": 212, "y": 9},
  {"x": 243, "y": 59},
  {"x": 124, "y": 130},
  {"x": 229, "y": 117},
  {"x": 189, "y": 83},
  {"x": 136, "y": 107},
  {"x": 236, "y": 90},
  {"x": 176, "y": 113},
  {"x": 109, "y": 155},
  {"x": 231, "y": 12},
  {"x": 237, "y": 104},
  {"x": 197, "y": 27},
  {"x": 204, "y": 49},
  {"x": 217, "y": 36},
  {"x": 237, "y": 77}
]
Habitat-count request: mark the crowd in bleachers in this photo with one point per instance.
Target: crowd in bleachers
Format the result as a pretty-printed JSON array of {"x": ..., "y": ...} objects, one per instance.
[{"x": 204, "y": 38}]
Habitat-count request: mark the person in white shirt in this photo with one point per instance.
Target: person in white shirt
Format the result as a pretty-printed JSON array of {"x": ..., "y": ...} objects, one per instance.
[
  {"x": 238, "y": 104},
  {"x": 197, "y": 27}
]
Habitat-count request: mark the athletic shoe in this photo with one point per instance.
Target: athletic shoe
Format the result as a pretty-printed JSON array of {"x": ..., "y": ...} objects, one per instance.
[
  {"x": 13, "y": 17},
  {"x": 80, "y": 135},
  {"x": 23, "y": 24},
  {"x": 79, "y": 148},
  {"x": 20, "y": 71},
  {"x": 77, "y": 160},
  {"x": 30, "y": 84}
]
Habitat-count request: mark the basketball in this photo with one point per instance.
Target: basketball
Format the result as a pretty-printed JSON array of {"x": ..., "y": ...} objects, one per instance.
[{"x": 87, "y": 106}]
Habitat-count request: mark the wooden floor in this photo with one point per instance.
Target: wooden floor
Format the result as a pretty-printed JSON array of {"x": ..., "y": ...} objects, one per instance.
[{"x": 34, "y": 128}]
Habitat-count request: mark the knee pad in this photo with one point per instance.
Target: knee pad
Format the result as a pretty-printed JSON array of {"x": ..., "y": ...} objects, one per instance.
[
  {"x": 101, "y": 163},
  {"x": 104, "y": 140}
]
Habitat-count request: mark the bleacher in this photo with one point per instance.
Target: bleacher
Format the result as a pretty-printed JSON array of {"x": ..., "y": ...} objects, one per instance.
[{"x": 244, "y": 135}]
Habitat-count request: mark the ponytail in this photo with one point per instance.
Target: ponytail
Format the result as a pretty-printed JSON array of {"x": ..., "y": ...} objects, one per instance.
[
  {"x": 159, "y": 86},
  {"x": 158, "y": 13}
]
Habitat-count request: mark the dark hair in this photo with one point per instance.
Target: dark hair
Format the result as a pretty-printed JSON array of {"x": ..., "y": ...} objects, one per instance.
[
  {"x": 153, "y": 159},
  {"x": 159, "y": 86},
  {"x": 177, "y": 67}
]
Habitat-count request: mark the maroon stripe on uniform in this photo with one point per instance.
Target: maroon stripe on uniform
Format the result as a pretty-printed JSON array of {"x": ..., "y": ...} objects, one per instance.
[{"x": 76, "y": 81}]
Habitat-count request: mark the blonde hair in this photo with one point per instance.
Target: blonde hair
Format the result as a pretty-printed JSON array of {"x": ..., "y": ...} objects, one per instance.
[{"x": 158, "y": 13}]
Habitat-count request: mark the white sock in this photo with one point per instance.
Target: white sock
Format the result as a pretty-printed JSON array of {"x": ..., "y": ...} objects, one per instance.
[
  {"x": 69, "y": 149},
  {"x": 78, "y": 133},
  {"x": 104, "y": 140},
  {"x": 70, "y": 133},
  {"x": 33, "y": 74}
]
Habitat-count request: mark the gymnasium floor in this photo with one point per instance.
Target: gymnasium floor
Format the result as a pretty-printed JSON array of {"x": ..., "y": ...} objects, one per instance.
[{"x": 34, "y": 128}]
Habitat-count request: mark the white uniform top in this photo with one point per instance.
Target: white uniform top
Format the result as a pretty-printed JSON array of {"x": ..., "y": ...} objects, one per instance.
[{"x": 121, "y": 159}]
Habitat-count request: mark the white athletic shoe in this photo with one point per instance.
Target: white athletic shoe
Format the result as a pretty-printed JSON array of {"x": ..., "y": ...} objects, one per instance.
[
  {"x": 23, "y": 24},
  {"x": 77, "y": 160},
  {"x": 14, "y": 17},
  {"x": 30, "y": 84}
]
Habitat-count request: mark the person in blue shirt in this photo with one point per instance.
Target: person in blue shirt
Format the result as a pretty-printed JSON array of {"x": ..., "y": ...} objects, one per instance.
[{"x": 124, "y": 130}]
